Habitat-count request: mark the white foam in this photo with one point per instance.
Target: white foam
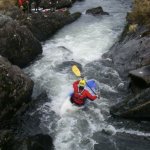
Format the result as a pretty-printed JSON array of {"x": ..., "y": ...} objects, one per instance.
[{"x": 134, "y": 132}]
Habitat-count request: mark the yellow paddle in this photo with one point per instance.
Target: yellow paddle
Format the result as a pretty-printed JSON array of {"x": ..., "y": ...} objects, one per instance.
[{"x": 76, "y": 71}]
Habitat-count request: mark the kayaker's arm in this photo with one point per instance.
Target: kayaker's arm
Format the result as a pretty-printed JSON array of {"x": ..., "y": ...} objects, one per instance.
[
  {"x": 90, "y": 96},
  {"x": 75, "y": 84}
]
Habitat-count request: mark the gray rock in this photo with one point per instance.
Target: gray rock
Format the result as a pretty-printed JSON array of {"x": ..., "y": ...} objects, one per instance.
[
  {"x": 102, "y": 71},
  {"x": 120, "y": 141},
  {"x": 141, "y": 76},
  {"x": 131, "y": 53},
  {"x": 8, "y": 141},
  {"x": 17, "y": 42},
  {"x": 66, "y": 66},
  {"x": 136, "y": 107},
  {"x": 15, "y": 88},
  {"x": 131, "y": 57},
  {"x": 39, "y": 142},
  {"x": 96, "y": 11},
  {"x": 43, "y": 26}
]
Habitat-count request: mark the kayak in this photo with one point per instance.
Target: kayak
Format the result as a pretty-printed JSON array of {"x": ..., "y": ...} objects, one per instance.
[{"x": 68, "y": 107}]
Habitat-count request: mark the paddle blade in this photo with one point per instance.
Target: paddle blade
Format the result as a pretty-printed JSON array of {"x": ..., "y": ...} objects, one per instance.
[
  {"x": 91, "y": 84},
  {"x": 76, "y": 71}
]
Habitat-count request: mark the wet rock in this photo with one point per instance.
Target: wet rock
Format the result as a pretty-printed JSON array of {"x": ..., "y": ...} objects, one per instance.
[
  {"x": 8, "y": 141},
  {"x": 15, "y": 88},
  {"x": 141, "y": 76},
  {"x": 109, "y": 130},
  {"x": 19, "y": 32},
  {"x": 96, "y": 11},
  {"x": 66, "y": 66},
  {"x": 136, "y": 107},
  {"x": 131, "y": 58},
  {"x": 33, "y": 104},
  {"x": 120, "y": 141},
  {"x": 65, "y": 49},
  {"x": 132, "y": 53},
  {"x": 41, "y": 142},
  {"x": 28, "y": 122},
  {"x": 103, "y": 72},
  {"x": 43, "y": 26},
  {"x": 121, "y": 86},
  {"x": 17, "y": 43},
  {"x": 110, "y": 84}
]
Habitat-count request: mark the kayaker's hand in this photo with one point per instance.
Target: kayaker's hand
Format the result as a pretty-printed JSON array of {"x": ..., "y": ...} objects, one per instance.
[
  {"x": 21, "y": 7},
  {"x": 98, "y": 95}
]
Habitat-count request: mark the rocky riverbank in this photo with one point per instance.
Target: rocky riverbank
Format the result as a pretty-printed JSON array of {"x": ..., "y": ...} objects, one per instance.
[{"x": 131, "y": 58}]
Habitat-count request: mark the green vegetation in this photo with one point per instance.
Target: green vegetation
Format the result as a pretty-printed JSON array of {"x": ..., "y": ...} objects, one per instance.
[{"x": 140, "y": 13}]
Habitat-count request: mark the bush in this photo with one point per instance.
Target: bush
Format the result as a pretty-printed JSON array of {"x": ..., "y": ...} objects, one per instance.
[
  {"x": 140, "y": 13},
  {"x": 5, "y": 4}
]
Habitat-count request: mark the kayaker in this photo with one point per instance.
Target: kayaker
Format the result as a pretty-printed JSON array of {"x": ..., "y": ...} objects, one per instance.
[
  {"x": 80, "y": 94},
  {"x": 25, "y": 5},
  {"x": 37, "y": 3}
]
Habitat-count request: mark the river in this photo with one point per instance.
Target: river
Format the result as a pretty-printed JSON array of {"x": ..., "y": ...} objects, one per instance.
[{"x": 84, "y": 42}]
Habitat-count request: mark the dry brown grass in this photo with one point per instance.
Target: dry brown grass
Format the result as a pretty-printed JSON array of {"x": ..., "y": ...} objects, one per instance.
[
  {"x": 132, "y": 28},
  {"x": 5, "y": 4},
  {"x": 140, "y": 13}
]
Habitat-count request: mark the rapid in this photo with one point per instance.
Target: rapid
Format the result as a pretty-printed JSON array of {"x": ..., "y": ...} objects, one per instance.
[{"x": 83, "y": 42}]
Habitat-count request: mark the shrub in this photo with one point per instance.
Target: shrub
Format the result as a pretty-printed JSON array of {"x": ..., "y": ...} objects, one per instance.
[
  {"x": 133, "y": 28},
  {"x": 140, "y": 13},
  {"x": 5, "y": 4}
]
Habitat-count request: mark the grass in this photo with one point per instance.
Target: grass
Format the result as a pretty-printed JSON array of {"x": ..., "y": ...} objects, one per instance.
[
  {"x": 5, "y": 4},
  {"x": 140, "y": 13}
]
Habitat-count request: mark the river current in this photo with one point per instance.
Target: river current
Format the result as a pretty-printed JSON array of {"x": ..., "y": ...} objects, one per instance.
[{"x": 84, "y": 42}]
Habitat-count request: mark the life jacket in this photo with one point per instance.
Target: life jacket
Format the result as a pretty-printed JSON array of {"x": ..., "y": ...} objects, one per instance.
[
  {"x": 78, "y": 97},
  {"x": 22, "y": 2}
]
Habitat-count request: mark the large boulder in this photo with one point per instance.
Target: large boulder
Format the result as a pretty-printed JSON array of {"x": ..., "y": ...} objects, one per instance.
[
  {"x": 8, "y": 141},
  {"x": 17, "y": 42},
  {"x": 15, "y": 88},
  {"x": 141, "y": 76},
  {"x": 131, "y": 57},
  {"x": 130, "y": 53},
  {"x": 96, "y": 11},
  {"x": 45, "y": 25},
  {"x": 137, "y": 107},
  {"x": 42, "y": 142},
  {"x": 120, "y": 141},
  {"x": 140, "y": 79}
]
